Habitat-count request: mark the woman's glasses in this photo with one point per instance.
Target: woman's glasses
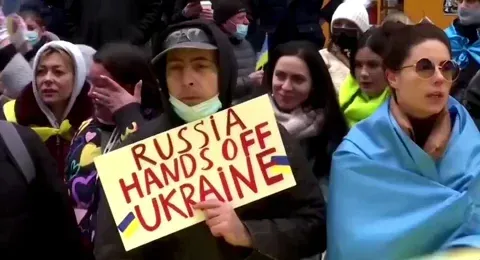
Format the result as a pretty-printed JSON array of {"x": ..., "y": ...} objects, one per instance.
[{"x": 425, "y": 69}]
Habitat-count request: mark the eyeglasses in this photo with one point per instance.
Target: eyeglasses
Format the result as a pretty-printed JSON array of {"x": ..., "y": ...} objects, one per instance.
[{"x": 425, "y": 69}]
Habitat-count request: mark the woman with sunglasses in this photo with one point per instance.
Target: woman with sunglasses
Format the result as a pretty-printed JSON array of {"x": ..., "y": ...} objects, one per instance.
[{"x": 405, "y": 182}]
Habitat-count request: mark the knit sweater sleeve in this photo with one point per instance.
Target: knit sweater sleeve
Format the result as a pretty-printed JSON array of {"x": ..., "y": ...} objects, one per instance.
[
  {"x": 128, "y": 119},
  {"x": 81, "y": 176},
  {"x": 85, "y": 146}
]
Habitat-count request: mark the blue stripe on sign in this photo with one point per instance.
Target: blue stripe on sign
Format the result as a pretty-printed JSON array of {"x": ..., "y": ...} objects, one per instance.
[
  {"x": 126, "y": 222},
  {"x": 280, "y": 160}
]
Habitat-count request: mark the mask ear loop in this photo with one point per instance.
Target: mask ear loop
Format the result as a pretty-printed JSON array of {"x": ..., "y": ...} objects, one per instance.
[{"x": 112, "y": 141}]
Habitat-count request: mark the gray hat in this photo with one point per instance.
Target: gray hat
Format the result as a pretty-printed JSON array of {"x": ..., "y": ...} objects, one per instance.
[{"x": 186, "y": 38}]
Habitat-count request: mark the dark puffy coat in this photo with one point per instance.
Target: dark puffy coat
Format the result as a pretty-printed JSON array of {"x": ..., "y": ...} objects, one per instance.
[{"x": 35, "y": 218}]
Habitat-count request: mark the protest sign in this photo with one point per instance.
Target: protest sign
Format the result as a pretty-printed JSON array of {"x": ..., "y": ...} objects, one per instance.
[{"x": 235, "y": 156}]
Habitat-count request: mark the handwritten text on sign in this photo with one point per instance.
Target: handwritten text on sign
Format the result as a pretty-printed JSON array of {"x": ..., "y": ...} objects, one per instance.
[{"x": 235, "y": 156}]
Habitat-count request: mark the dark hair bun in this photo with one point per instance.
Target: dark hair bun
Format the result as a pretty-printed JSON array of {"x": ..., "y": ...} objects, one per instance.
[
  {"x": 405, "y": 37},
  {"x": 390, "y": 28}
]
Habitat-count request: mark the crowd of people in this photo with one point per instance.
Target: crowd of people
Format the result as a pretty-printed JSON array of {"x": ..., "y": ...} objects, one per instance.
[{"x": 380, "y": 124}]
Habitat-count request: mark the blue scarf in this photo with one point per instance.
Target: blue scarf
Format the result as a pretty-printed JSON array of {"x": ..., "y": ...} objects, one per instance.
[
  {"x": 389, "y": 199},
  {"x": 460, "y": 48}
]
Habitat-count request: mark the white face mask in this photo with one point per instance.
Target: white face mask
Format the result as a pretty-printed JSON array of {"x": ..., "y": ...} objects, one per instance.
[{"x": 193, "y": 113}]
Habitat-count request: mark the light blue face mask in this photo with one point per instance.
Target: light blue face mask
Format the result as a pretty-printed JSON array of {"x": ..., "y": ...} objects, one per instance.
[
  {"x": 468, "y": 16},
  {"x": 242, "y": 31},
  {"x": 32, "y": 37},
  {"x": 192, "y": 113}
]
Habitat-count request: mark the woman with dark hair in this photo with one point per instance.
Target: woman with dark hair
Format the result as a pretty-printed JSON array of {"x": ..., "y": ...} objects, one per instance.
[
  {"x": 305, "y": 102},
  {"x": 125, "y": 94},
  {"x": 405, "y": 182},
  {"x": 365, "y": 89}
]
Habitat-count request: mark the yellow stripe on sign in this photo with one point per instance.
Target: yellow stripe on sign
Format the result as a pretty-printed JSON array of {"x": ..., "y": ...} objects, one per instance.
[
  {"x": 132, "y": 228},
  {"x": 281, "y": 169},
  {"x": 460, "y": 254}
]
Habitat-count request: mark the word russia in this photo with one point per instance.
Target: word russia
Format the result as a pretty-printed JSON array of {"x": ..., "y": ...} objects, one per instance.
[{"x": 232, "y": 156}]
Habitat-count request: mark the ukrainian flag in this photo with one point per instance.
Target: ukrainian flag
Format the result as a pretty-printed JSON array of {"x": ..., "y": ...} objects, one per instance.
[
  {"x": 281, "y": 165},
  {"x": 129, "y": 225},
  {"x": 263, "y": 57}
]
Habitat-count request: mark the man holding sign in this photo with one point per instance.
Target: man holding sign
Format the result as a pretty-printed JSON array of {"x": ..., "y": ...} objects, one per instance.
[{"x": 206, "y": 180}]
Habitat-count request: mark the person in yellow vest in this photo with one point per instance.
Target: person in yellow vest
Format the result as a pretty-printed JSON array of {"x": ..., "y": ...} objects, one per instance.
[
  {"x": 56, "y": 101},
  {"x": 365, "y": 89}
]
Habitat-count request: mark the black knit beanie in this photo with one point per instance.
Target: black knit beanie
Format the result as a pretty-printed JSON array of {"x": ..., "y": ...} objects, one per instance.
[{"x": 226, "y": 9}]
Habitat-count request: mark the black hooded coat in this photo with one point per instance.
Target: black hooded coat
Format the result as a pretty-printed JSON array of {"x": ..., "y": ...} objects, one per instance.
[{"x": 288, "y": 225}]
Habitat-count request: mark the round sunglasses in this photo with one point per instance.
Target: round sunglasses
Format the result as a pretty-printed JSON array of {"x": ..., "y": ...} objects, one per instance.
[
  {"x": 467, "y": 1},
  {"x": 425, "y": 69}
]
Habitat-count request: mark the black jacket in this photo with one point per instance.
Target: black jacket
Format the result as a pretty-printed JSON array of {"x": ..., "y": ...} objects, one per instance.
[
  {"x": 271, "y": 12},
  {"x": 301, "y": 12},
  {"x": 96, "y": 22},
  {"x": 177, "y": 14},
  {"x": 287, "y": 225},
  {"x": 466, "y": 74},
  {"x": 299, "y": 21},
  {"x": 37, "y": 218},
  {"x": 471, "y": 99},
  {"x": 245, "y": 56}
]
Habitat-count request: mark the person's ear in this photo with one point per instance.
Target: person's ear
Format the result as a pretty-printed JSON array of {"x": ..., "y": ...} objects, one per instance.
[
  {"x": 226, "y": 26},
  {"x": 392, "y": 78}
]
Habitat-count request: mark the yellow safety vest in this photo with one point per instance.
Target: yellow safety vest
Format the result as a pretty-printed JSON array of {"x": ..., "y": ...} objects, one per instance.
[
  {"x": 355, "y": 105},
  {"x": 44, "y": 132}
]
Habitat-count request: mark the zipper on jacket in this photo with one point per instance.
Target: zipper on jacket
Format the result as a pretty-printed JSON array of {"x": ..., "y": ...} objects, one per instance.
[
  {"x": 59, "y": 150},
  {"x": 58, "y": 145}
]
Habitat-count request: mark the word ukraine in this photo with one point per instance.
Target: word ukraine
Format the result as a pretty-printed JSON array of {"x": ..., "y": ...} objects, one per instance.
[{"x": 235, "y": 156}]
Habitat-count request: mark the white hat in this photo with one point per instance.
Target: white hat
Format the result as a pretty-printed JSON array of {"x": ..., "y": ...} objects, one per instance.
[{"x": 354, "y": 11}]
